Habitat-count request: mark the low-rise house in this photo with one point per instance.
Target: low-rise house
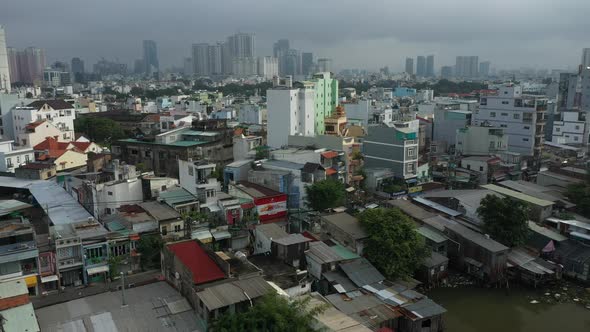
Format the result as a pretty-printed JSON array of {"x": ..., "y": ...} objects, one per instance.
[
  {"x": 36, "y": 171},
  {"x": 154, "y": 185},
  {"x": 198, "y": 178},
  {"x": 434, "y": 270},
  {"x": 575, "y": 259},
  {"x": 57, "y": 111},
  {"x": 531, "y": 270},
  {"x": 170, "y": 223},
  {"x": 320, "y": 259},
  {"x": 180, "y": 200},
  {"x": 291, "y": 249},
  {"x": 264, "y": 235},
  {"x": 271, "y": 205},
  {"x": 18, "y": 252},
  {"x": 288, "y": 279},
  {"x": 345, "y": 229},
  {"x": 133, "y": 218}
]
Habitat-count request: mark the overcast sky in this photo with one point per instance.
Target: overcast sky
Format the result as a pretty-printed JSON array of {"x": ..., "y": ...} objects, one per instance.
[{"x": 356, "y": 34}]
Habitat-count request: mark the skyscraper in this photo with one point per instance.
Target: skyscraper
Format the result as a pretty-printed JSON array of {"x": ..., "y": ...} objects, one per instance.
[
  {"x": 150, "y": 57},
  {"x": 421, "y": 66},
  {"x": 77, "y": 65},
  {"x": 446, "y": 72},
  {"x": 242, "y": 45},
  {"x": 4, "y": 68},
  {"x": 280, "y": 48},
  {"x": 306, "y": 63},
  {"x": 26, "y": 65},
  {"x": 586, "y": 57},
  {"x": 430, "y": 66},
  {"x": 466, "y": 66},
  {"x": 324, "y": 65},
  {"x": 13, "y": 64},
  {"x": 484, "y": 69},
  {"x": 410, "y": 66},
  {"x": 215, "y": 59},
  {"x": 201, "y": 59},
  {"x": 292, "y": 63}
]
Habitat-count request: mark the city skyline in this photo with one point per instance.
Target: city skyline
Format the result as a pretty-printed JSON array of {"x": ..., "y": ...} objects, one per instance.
[{"x": 553, "y": 45}]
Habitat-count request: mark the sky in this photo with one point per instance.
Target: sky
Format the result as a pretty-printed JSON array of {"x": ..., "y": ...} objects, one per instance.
[{"x": 367, "y": 34}]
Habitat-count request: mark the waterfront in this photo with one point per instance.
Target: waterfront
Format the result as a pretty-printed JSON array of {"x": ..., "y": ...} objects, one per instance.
[{"x": 472, "y": 309}]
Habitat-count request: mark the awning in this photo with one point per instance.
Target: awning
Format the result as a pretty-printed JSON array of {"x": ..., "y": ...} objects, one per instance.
[
  {"x": 331, "y": 171},
  {"x": 97, "y": 270},
  {"x": 473, "y": 262},
  {"x": 49, "y": 279},
  {"x": 329, "y": 154},
  {"x": 31, "y": 281},
  {"x": 413, "y": 180},
  {"x": 204, "y": 236},
  {"x": 221, "y": 235}
]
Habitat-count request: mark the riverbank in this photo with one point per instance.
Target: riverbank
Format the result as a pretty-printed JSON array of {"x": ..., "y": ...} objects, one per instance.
[{"x": 562, "y": 307}]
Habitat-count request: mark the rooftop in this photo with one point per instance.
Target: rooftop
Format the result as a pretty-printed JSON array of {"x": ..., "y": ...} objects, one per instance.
[
  {"x": 431, "y": 234},
  {"x": 411, "y": 209},
  {"x": 291, "y": 239},
  {"x": 322, "y": 253},
  {"x": 21, "y": 318},
  {"x": 174, "y": 196},
  {"x": 477, "y": 238},
  {"x": 12, "y": 205},
  {"x": 154, "y": 307},
  {"x": 346, "y": 223},
  {"x": 361, "y": 272},
  {"x": 177, "y": 143},
  {"x": 56, "y": 104},
  {"x": 228, "y": 293},
  {"x": 271, "y": 231},
  {"x": 255, "y": 190},
  {"x": 202, "y": 267},
  {"x": 518, "y": 195},
  {"x": 159, "y": 211}
]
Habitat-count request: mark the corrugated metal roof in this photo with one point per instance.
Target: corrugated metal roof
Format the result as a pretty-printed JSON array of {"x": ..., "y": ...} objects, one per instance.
[
  {"x": 339, "y": 278},
  {"x": 177, "y": 196},
  {"x": 291, "y": 239},
  {"x": 425, "y": 308},
  {"x": 347, "y": 223},
  {"x": 159, "y": 211},
  {"x": 322, "y": 253},
  {"x": 11, "y": 205},
  {"x": 431, "y": 234},
  {"x": 546, "y": 232},
  {"x": 518, "y": 195},
  {"x": 477, "y": 238},
  {"x": 437, "y": 206},
  {"x": 411, "y": 209},
  {"x": 343, "y": 252},
  {"x": 271, "y": 231},
  {"x": 233, "y": 292},
  {"x": 435, "y": 259},
  {"x": 361, "y": 272}
]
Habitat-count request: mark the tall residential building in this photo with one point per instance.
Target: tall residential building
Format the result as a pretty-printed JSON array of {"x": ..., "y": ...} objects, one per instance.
[
  {"x": 430, "y": 66},
  {"x": 484, "y": 69},
  {"x": 326, "y": 98},
  {"x": 291, "y": 111},
  {"x": 245, "y": 67},
  {"x": 446, "y": 72},
  {"x": 242, "y": 45},
  {"x": 421, "y": 66},
  {"x": 26, "y": 65},
  {"x": 187, "y": 66},
  {"x": 306, "y": 63},
  {"x": 410, "y": 66},
  {"x": 150, "y": 57},
  {"x": 279, "y": 51},
  {"x": 393, "y": 145},
  {"x": 521, "y": 116},
  {"x": 585, "y": 57},
  {"x": 201, "y": 59},
  {"x": 77, "y": 67},
  {"x": 466, "y": 66},
  {"x": 325, "y": 65},
  {"x": 292, "y": 63},
  {"x": 4, "y": 68},
  {"x": 268, "y": 67},
  {"x": 215, "y": 60}
]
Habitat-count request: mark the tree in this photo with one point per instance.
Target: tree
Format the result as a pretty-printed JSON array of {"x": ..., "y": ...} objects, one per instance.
[
  {"x": 393, "y": 246},
  {"x": 579, "y": 194},
  {"x": 149, "y": 246},
  {"x": 98, "y": 129},
  {"x": 505, "y": 219},
  {"x": 271, "y": 312},
  {"x": 325, "y": 194}
]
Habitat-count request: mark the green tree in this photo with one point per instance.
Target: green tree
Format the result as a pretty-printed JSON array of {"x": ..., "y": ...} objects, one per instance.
[
  {"x": 393, "y": 246},
  {"x": 579, "y": 194},
  {"x": 271, "y": 312},
  {"x": 98, "y": 129},
  {"x": 504, "y": 219},
  {"x": 325, "y": 194},
  {"x": 149, "y": 246}
]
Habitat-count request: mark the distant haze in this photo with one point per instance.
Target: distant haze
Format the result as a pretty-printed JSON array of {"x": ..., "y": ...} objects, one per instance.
[{"x": 356, "y": 34}]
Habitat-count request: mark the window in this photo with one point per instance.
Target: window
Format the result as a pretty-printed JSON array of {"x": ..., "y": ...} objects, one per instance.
[
  {"x": 18, "y": 159},
  {"x": 575, "y": 138},
  {"x": 110, "y": 193},
  {"x": 411, "y": 152},
  {"x": 503, "y": 126},
  {"x": 148, "y": 153},
  {"x": 65, "y": 136},
  {"x": 27, "y": 158},
  {"x": 527, "y": 127},
  {"x": 504, "y": 114},
  {"x": 191, "y": 171},
  {"x": 577, "y": 127},
  {"x": 8, "y": 162},
  {"x": 468, "y": 166},
  {"x": 557, "y": 129},
  {"x": 492, "y": 114},
  {"x": 525, "y": 139},
  {"x": 410, "y": 168},
  {"x": 483, "y": 101},
  {"x": 481, "y": 168},
  {"x": 177, "y": 228},
  {"x": 134, "y": 151},
  {"x": 516, "y": 116},
  {"x": 164, "y": 230},
  {"x": 505, "y": 102}
]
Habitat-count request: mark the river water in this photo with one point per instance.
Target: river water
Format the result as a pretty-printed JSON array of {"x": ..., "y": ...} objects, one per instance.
[{"x": 472, "y": 309}]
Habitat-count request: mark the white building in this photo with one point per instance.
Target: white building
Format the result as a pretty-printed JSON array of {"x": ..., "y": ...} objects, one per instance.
[
  {"x": 60, "y": 113},
  {"x": 169, "y": 122},
  {"x": 126, "y": 188},
  {"x": 290, "y": 112},
  {"x": 268, "y": 67},
  {"x": 251, "y": 114},
  {"x": 569, "y": 128},
  {"x": 36, "y": 132},
  {"x": 521, "y": 116},
  {"x": 480, "y": 141},
  {"x": 357, "y": 112},
  {"x": 197, "y": 178},
  {"x": 11, "y": 158},
  {"x": 245, "y": 67}
]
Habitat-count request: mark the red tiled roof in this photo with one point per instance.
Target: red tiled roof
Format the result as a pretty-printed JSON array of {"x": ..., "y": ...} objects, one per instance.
[
  {"x": 202, "y": 267},
  {"x": 35, "y": 124},
  {"x": 35, "y": 165},
  {"x": 329, "y": 154},
  {"x": 51, "y": 143},
  {"x": 331, "y": 171},
  {"x": 81, "y": 145}
]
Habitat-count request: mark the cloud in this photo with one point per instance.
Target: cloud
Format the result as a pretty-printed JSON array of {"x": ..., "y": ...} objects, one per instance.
[{"x": 362, "y": 34}]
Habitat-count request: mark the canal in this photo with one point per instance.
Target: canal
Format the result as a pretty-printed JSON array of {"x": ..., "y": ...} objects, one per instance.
[{"x": 471, "y": 309}]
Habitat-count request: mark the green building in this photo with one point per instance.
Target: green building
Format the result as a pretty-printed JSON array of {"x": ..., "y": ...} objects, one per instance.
[{"x": 326, "y": 99}]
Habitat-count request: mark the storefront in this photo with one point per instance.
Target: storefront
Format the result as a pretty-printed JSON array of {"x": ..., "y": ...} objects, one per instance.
[
  {"x": 49, "y": 283},
  {"x": 97, "y": 273}
]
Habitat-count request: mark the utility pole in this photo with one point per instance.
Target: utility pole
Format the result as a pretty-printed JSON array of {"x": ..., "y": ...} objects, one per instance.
[{"x": 123, "y": 289}]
